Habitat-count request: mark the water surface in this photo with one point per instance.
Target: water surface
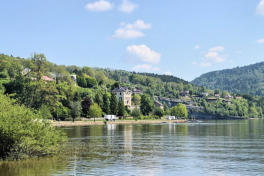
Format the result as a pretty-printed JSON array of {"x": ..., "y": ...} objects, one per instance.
[{"x": 209, "y": 148}]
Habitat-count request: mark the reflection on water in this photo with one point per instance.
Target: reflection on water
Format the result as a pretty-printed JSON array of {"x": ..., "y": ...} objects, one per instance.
[{"x": 208, "y": 148}]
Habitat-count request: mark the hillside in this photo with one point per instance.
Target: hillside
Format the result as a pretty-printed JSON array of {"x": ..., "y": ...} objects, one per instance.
[
  {"x": 244, "y": 80},
  {"x": 68, "y": 92}
]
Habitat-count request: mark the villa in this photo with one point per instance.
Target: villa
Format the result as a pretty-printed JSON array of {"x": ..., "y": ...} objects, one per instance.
[{"x": 123, "y": 94}]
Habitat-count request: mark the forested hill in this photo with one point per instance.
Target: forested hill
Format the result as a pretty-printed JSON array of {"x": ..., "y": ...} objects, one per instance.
[
  {"x": 245, "y": 80},
  {"x": 69, "y": 92}
]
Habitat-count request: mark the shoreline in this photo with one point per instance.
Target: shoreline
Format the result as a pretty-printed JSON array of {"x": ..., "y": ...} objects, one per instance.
[{"x": 88, "y": 123}]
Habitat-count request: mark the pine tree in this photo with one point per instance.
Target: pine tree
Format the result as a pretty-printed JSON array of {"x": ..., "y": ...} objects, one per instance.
[
  {"x": 106, "y": 104},
  {"x": 113, "y": 104},
  {"x": 121, "y": 108}
]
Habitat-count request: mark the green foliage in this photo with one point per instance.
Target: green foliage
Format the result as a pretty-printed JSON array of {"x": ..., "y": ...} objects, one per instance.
[
  {"x": 158, "y": 112},
  {"x": 121, "y": 108},
  {"x": 146, "y": 104},
  {"x": 20, "y": 78},
  {"x": 23, "y": 133},
  {"x": 95, "y": 111},
  {"x": 88, "y": 71},
  {"x": 91, "y": 82},
  {"x": 76, "y": 109},
  {"x": 44, "y": 112},
  {"x": 39, "y": 65},
  {"x": 179, "y": 111},
  {"x": 136, "y": 99},
  {"x": 243, "y": 80},
  {"x": 81, "y": 81},
  {"x": 136, "y": 113},
  {"x": 98, "y": 99},
  {"x": 61, "y": 112},
  {"x": 113, "y": 104},
  {"x": 106, "y": 104},
  {"x": 86, "y": 104}
]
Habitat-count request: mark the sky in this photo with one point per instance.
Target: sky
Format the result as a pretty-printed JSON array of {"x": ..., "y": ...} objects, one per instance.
[{"x": 175, "y": 37}]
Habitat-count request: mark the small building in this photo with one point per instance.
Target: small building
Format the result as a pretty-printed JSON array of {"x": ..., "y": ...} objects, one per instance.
[
  {"x": 184, "y": 93},
  {"x": 239, "y": 97},
  {"x": 217, "y": 95},
  {"x": 205, "y": 94},
  {"x": 26, "y": 71},
  {"x": 123, "y": 94},
  {"x": 136, "y": 91},
  {"x": 212, "y": 99},
  {"x": 171, "y": 117},
  {"x": 228, "y": 97},
  {"x": 46, "y": 78},
  {"x": 74, "y": 78}
]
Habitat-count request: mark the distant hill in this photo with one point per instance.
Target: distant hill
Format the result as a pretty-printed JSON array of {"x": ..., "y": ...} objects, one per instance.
[{"x": 245, "y": 80}]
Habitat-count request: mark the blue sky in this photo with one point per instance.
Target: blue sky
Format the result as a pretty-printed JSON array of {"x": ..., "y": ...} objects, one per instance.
[{"x": 178, "y": 37}]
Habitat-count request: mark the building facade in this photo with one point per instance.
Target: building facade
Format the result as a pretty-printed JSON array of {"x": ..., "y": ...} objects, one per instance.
[{"x": 123, "y": 94}]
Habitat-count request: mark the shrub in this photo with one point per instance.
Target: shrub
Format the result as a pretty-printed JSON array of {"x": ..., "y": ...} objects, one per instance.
[
  {"x": 95, "y": 111},
  {"x": 23, "y": 133},
  {"x": 136, "y": 113},
  {"x": 61, "y": 112},
  {"x": 44, "y": 112},
  {"x": 76, "y": 109}
]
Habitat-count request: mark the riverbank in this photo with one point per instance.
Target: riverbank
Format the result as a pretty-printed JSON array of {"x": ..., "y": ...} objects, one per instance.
[{"x": 90, "y": 122}]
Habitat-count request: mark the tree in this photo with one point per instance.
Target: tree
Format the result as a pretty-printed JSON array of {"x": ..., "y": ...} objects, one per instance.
[
  {"x": 100, "y": 77},
  {"x": 136, "y": 113},
  {"x": 40, "y": 64},
  {"x": 179, "y": 111},
  {"x": 75, "y": 109},
  {"x": 98, "y": 99},
  {"x": 121, "y": 108},
  {"x": 95, "y": 111},
  {"x": 61, "y": 112},
  {"x": 91, "y": 82},
  {"x": 113, "y": 104},
  {"x": 115, "y": 85},
  {"x": 158, "y": 112},
  {"x": 89, "y": 71},
  {"x": 146, "y": 104},
  {"x": 81, "y": 81},
  {"x": 136, "y": 99},
  {"x": 106, "y": 104},
  {"x": 25, "y": 135},
  {"x": 86, "y": 103}
]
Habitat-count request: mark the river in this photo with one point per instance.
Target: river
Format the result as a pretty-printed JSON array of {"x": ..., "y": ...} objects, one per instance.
[{"x": 208, "y": 148}]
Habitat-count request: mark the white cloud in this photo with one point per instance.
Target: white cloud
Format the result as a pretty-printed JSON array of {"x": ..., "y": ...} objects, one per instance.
[
  {"x": 260, "y": 8},
  {"x": 145, "y": 67},
  {"x": 127, "y": 6},
  {"x": 99, "y": 6},
  {"x": 260, "y": 41},
  {"x": 212, "y": 56},
  {"x": 217, "y": 49},
  {"x": 134, "y": 30},
  {"x": 196, "y": 47},
  {"x": 144, "y": 53}
]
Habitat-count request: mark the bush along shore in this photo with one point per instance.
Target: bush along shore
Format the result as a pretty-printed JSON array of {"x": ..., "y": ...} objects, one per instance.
[{"x": 24, "y": 134}]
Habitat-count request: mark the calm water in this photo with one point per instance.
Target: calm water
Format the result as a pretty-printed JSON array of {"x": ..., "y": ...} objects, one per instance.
[{"x": 209, "y": 148}]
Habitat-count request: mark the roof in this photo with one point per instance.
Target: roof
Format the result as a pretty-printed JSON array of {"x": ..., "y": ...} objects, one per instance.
[
  {"x": 121, "y": 89},
  {"x": 46, "y": 78}
]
